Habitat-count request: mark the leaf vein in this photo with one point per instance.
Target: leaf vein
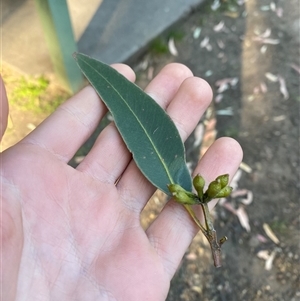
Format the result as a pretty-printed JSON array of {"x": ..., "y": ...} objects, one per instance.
[{"x": 138, "y": 121}]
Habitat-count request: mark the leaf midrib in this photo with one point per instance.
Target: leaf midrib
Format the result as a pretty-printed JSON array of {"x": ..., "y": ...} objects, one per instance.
[{"x": 141, "y": 125}]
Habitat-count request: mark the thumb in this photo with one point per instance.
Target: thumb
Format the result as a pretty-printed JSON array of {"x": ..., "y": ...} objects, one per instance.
[{"x": 3, "y": 108}]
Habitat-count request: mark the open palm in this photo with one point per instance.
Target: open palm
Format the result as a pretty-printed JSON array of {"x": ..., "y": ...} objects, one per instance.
[{"x": 75, "y": 234}]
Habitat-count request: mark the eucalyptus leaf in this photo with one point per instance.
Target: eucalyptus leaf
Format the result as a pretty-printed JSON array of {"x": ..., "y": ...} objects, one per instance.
[{"x": 149, "y": 133}]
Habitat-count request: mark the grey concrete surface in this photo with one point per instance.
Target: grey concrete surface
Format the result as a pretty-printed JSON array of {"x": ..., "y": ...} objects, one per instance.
[{"x": 122, "y": 28}]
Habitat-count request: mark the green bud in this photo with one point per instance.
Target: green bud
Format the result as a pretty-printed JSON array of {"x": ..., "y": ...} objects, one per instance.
[
  {"x": 213, "y": 189},
  {"x": 225, "y": 192},
  {"x": 199, "y": 184},
  {"x": 173, "y": 188},
  {"x": 223, "y": 180},
  {"x": 182, "y": 196},
  {"x": 222, "y": 240}
]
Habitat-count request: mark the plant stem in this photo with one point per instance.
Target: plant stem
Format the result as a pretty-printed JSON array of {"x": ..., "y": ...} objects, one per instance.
[
  {"x": 210, "y": 233},
  {"x": 192, "y": 213}
]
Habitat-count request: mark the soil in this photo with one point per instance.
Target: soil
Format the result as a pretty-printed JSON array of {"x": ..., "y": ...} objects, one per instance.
[
  {"x": 258, "y": 48},
  {"x": 253, "y": 46}
]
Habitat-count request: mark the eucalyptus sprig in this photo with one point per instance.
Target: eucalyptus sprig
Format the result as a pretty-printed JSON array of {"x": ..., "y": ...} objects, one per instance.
[
  {"x": 216, "y": 189},
  {"x": 154, "y": 141}
]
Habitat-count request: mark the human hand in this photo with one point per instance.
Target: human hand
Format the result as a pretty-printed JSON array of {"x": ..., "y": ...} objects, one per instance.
[
  {"x": 72, "y": 234},
  {"x": 3, "y": 109}
]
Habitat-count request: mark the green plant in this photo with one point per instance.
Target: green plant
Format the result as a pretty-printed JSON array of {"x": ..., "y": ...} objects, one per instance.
[
  {"x": 32, "y": 94},
  {"x": 28, "y": 91},
  {"x": 231, "y": 131},
  {"x": 279, "y": 226},
  {"x": 159, "y": 46},
  {"x": 221, "y": 6},
  {"x": 177, "y": 35},
  {"x": 229, "y": 5},
  {"x": 159, "y": 151}
]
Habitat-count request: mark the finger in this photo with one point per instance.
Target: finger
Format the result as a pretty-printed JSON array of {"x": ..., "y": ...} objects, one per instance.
[
  {"x": 3, "y": 109},
  {"x": 187, "y": 107},
  {"x": 172, "y": 232},
  {"x": 166, "y": 84},
  {"x": 109, "y": 156},
  {"x": 63, "y": 132}
]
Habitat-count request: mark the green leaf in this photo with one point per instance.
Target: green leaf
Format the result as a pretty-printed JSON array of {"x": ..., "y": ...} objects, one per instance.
[{"x": 149, "y": 133}]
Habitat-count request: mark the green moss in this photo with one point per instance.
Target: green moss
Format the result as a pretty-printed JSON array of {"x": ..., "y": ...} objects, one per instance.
[
  {"x": 159, "y": 46},
  {"x": 232, "y": 132},
  {"x": 177, "y": 35},
  {"x": 225, "y": 6},
  {"x": 279, "y": 226},
  {"x": 32, "y": 94},
  {"x": 28, "y": 91},
  {"x": 229, "y": 5}
]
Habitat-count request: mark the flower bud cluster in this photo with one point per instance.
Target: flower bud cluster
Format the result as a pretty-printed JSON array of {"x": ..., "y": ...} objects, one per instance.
[{"x": 216, "y": 189}]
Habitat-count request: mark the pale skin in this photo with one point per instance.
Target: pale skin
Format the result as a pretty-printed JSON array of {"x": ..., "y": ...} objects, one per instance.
[{"x": 72, "y": 234}]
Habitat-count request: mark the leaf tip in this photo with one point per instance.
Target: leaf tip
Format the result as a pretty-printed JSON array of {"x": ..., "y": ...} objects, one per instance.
[{"x": 75, "y": 56}]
